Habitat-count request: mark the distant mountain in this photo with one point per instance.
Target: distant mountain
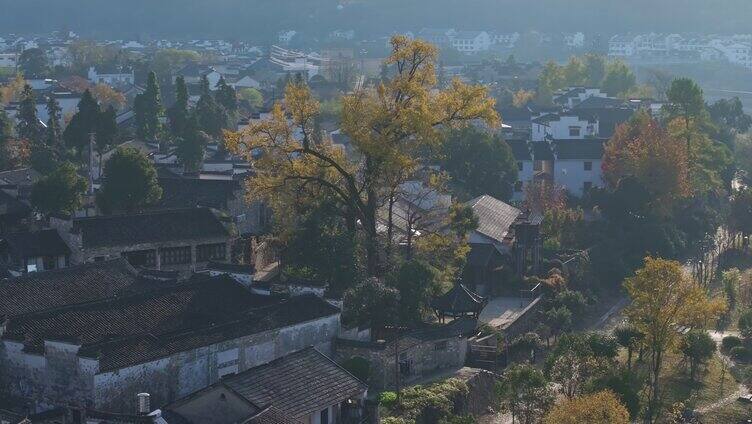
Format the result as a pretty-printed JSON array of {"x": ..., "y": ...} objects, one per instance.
[{"x": 254, "y": 19}]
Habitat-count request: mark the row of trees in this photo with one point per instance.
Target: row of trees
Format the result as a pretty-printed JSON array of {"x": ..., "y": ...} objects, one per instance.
[
  {"x": 591, "y": 70},
  {"x": 393, "y": 129}
]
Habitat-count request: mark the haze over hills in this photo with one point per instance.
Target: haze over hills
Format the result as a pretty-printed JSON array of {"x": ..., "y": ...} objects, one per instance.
[{"x": 259, "y": 18}]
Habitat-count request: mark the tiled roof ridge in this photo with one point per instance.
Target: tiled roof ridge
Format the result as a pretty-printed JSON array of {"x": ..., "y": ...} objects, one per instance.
[
  {"x": 141, "y": 213},
  {"x": 164, "y": 287}
]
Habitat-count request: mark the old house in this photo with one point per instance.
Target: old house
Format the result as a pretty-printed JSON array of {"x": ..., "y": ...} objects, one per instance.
[
  {"x": 96, "y": 335},
  {"x": 223, "y": 194},
  {"x": 179, "y": 239},
  {"x": 304, "y": 387},
  {"x": 506, "y": 243},
  {"x": 32, "y": 251},
  {"x": 402, "y": 359}
]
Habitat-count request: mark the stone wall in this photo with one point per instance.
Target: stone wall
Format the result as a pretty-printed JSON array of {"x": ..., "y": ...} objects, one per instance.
[
  {"x": 52, "y": 377},
  {"x": 424, "y": 357},
  {"x": 59, "y": 376}
]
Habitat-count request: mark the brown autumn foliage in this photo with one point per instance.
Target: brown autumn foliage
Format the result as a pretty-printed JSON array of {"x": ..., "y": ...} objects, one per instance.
[{"x": 642, "y": 149}]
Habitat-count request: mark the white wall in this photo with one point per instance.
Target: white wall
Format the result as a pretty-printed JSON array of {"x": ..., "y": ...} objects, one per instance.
[{"x": 571, "y": 175}]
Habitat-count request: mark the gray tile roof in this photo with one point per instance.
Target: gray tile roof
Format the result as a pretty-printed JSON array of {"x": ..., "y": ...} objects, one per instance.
[
  {"x": 29, "y": 244},
  {"x": 79, "y": 284},
  {"x": 494, "y": 216},
  {"x": 131, "y": 329},
  {"x": 150, "y": 227},
  {"x": 298, "y": 384}
]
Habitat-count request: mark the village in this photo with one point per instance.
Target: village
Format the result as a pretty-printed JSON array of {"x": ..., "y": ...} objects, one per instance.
[{"x": 423, "y": 227}]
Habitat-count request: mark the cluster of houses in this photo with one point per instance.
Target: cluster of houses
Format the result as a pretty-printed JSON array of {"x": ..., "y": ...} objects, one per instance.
[
  {"x": 144, "y": 318},
  {"x": 563, "y": 144},
  {"x": 736, "y": 49}
]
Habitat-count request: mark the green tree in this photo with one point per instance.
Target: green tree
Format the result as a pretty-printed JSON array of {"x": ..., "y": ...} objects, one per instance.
[
  {"x": 178, "y": 113},
  {"x": 106, "y": 129},
  {"x": 525, "y": 392},
  {"x": 479, "y": 163},
  {"x": 226, "y": 96},
  {"x": 371, "y": 303},
  {"x": 54, "y": 129},
  {"x": 318, "y": 246},
  {"x": 559, "y": 320},
  {"x": 190, "y": 147},
  {"x": 745, "y": 324},
  {"x": 83, "y": 123},
  {"x": 60, "y": 192},
  {"x": 33, "y": 63},
  {"x": 253, "y": 97},
  {"x": 629, "y": 338},
  {"x": 698, "y": 347},
  {"x": 595, "y": 69},
  {"x": 148, "y": 110},
  {"x": 28, "y": 127},
  {"x": 212, "y": 117},
  {"x": 416, "y": 283},
  {"x": 575, "y": 72},
  {"x": 130, "y": 182},
  {"x": 686, "y": 101},
  {"x": 619, "y": 78}
]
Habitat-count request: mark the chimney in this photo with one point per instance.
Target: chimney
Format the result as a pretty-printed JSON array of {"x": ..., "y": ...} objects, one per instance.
[{"x": 143, "y": 404}]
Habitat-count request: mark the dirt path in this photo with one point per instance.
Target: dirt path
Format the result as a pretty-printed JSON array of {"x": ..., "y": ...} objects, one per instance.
[{"x": 741, "y": 389}]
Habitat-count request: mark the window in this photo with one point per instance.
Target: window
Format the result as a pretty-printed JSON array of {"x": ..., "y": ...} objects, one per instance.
[
  {"x": 324, "y": 416},
  {"x": 518, "y": 187},
  {"x": 49, "y": 262},
  {"x": 588, "y": 166},
  {"x": 145, "y": 258},
  {"x": 176, "y": 255},
  {"x": 520, "y": 166},
  {"x": 537, "y": 165},
  {"x": 440, "y": 346},
  {"x": 586, "y": 186},
  {"x": 210, "y": 252},
  {"x": 574, "y": 131}
]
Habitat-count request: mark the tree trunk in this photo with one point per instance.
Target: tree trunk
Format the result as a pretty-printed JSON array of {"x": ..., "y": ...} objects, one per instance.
[{"x": 390, "y": 228}]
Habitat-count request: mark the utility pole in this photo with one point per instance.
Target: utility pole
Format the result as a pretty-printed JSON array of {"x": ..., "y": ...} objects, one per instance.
[{"x": 92, "y": 140}]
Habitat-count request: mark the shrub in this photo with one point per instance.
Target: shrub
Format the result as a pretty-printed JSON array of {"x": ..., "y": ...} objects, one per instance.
[
  {"x": 358, "y": 367},
  {"x": 730, "y": 342},
  {"x": 745, "y": 324},
  {"x": 387, "y": 399},
  {"x": 740, "y": 353}
]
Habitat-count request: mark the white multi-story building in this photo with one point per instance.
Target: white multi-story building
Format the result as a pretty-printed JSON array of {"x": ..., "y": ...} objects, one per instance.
[
  {"x": 621, "y": 46},
  {"x": 471, "y": 41},
  {"x": 8, "y": 60},
  {"x": 115, "y": 77}
]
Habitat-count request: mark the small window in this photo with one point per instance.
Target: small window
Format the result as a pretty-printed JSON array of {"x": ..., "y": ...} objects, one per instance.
[
  {"x": 586, "y": 186},
  {"x": 574, "y": 131},
  {"x": 588, "y": 166},
  {"x": 210, "y": 252},
  {"x": 440, "y": 346},
  {"x": 518, "y": 187},
  {"x": 520, "y": 166},
  {"x": 324, "y": 416},
  {"x": 176, "y": 255}
]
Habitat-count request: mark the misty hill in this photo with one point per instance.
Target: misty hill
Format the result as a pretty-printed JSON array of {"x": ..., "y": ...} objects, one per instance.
[{"x": 263, "y": 18}]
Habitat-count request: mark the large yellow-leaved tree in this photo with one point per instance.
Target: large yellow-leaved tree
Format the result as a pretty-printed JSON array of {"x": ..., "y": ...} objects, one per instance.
[
  {"x": 665, "y": 301},
  {"x": 597, "y": 408},
  {"x": 390, "y": 126}
]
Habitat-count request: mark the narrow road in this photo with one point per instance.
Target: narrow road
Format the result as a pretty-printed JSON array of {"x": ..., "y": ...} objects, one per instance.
[{"x": 741, "y": 389}]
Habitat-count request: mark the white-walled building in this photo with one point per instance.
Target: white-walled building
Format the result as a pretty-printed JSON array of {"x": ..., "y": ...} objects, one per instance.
[
  {"x": 111, "y": 77},
  {"x": 471, "y": 41},
  {"x": 563, "y": 127}
]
